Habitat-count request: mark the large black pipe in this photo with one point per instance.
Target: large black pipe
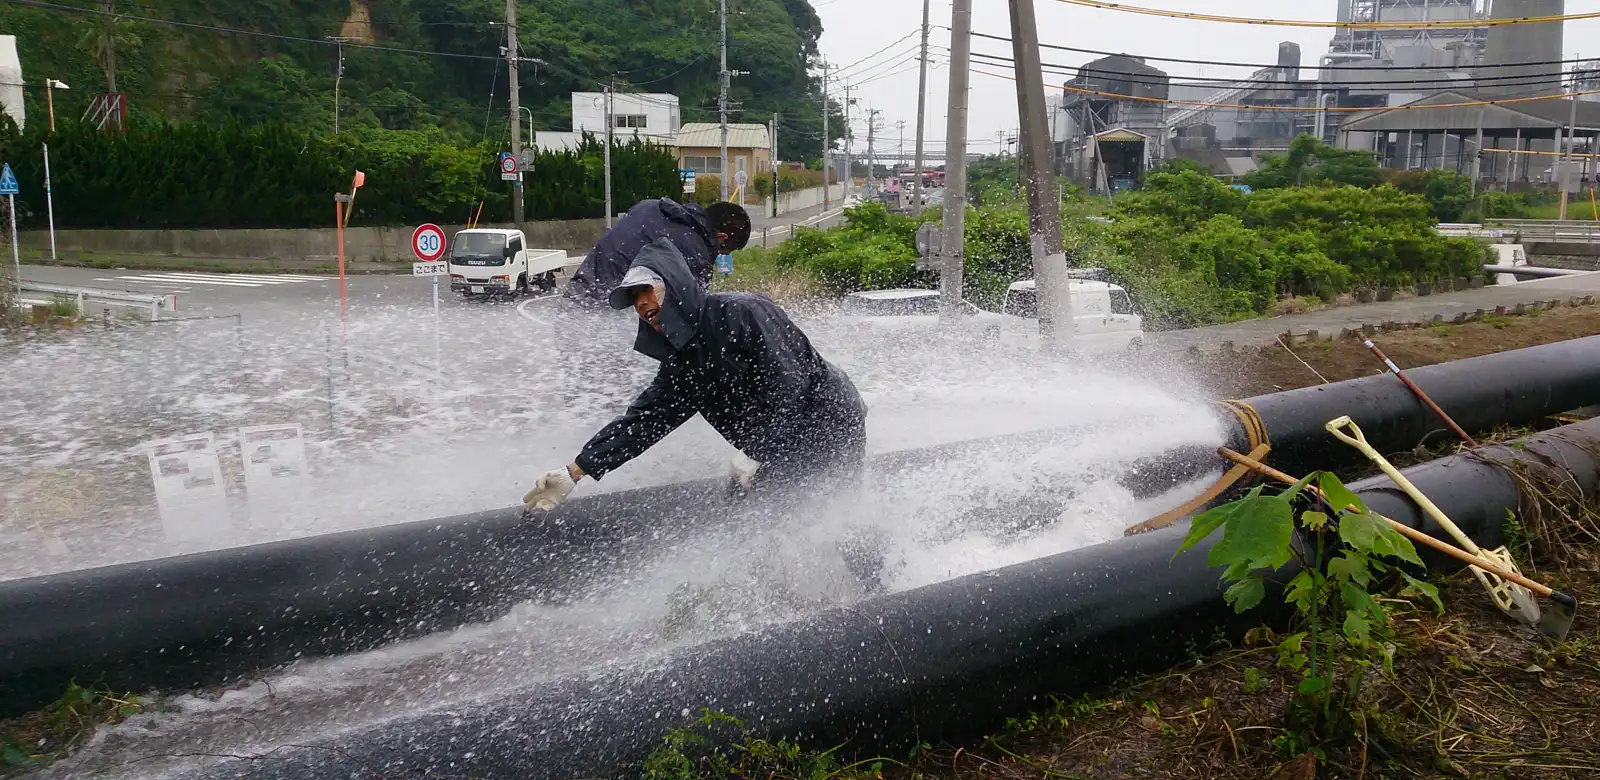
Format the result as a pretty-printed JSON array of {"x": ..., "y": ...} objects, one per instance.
[
  {"x": 210, "y": 618},
  {"x": 939, "y": 663},
  {"x": 1516, "y": 388}
]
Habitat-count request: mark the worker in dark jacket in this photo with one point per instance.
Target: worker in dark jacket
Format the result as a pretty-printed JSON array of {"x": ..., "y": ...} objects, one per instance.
[
  {"x": 737, "y": 360},
  {"x": 700, "y": 234}
]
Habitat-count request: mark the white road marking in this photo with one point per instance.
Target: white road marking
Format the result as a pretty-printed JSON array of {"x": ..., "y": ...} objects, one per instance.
[
  {"x": 169, "y": 280},
  {"x": 220, "y": 280}
]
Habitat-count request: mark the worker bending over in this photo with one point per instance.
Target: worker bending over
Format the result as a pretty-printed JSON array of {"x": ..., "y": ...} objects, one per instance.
[
  {"x": 737, "y": 360},
  {"x": 700, "y": 234}
]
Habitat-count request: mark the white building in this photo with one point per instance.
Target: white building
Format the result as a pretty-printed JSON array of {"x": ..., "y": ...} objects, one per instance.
[
  {"x": 11, "y": 83},
  {"x": 651, "y": 117}
]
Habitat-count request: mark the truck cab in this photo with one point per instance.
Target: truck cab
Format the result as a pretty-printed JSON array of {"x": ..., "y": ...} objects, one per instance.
[
  {"x": 487, "y": 261},
  {"x": 1103, "y": 312}
]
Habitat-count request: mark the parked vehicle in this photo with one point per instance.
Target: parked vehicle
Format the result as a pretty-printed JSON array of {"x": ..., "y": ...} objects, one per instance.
[
  {"x": 1104, "y": 313},
  {"x": 904, "y": 309},
  {"x": 498, "y": 262}
]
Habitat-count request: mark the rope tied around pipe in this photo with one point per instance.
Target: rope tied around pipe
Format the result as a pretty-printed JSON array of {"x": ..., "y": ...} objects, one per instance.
[{"x": 1260, "y": 444}]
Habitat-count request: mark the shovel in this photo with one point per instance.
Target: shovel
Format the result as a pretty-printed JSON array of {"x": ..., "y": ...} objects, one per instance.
[
  {"x": 1556, "y": 623},
  {"x": 1513, "y": 599}
]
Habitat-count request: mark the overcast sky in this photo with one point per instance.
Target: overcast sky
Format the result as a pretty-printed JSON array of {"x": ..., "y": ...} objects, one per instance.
[{"x": 855, "y": 29}]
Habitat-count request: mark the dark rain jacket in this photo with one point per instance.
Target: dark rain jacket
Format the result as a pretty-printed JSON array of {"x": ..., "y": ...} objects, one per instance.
[
  {"x": 686, "y": 225},
  {"x": 737, "y": 360}
]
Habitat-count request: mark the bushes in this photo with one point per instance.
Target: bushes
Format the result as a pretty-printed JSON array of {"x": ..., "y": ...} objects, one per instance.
[
  {"x": 873, "y": 251},
  {"x": 1447, "y": 192},
  {"x": 189, "y": 175}
]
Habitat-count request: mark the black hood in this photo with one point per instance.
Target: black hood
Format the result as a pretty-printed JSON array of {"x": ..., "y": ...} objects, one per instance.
[
  {"x": 680, "y": 307},
  {"x": 695, "y": 217}
]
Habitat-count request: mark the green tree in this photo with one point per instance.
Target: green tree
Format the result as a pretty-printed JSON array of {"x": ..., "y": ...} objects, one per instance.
[
  {"x": 1311, "y": 162},
  {"x": 1185, "y": 198},
  {"x": 1448, "y": 193}
]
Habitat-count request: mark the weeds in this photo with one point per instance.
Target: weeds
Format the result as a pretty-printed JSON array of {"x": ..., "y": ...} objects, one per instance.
[
  {"x": 1496, "y": 322},
  {"x": 1347, "y": 632},
  {"x": 696, "y": 753},
  {"x": 44, "y": 736},
  {"x": 63, "y": 306}
]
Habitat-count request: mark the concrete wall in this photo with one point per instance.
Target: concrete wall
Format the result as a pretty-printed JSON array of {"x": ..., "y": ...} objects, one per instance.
[
  {"x": 804, "y": 199},
  {"x": 366, "y": 244}
]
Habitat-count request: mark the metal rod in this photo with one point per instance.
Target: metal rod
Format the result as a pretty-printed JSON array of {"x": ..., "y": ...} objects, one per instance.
[{"x": 1421, "y": 396}]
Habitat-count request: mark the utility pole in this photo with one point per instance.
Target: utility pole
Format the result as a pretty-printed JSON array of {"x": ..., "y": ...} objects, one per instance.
[
  {"x": 922, "y": 102},
  {"x": 1056, "y": 325},
  {"x": 512, "y": 58},
  {"x": 1477, "y": 159},
  {"x": 827, "y": 143},
  {"x": 1563, "y": 160},
  {"x": 849, "y": 137},
  {"x": 338, "y": 77},
  {"x": 109, "y": 44},
  {"x": 773, "y": 139},
  {"x": 722, "y": 102},
  {"x": 955, "y": 168},
  {"x": 872, "y": 154},
  {"x": 611, "y": 89}
]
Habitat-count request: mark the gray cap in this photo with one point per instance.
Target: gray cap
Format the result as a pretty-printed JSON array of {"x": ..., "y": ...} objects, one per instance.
[{"x": 638, "y": 276}]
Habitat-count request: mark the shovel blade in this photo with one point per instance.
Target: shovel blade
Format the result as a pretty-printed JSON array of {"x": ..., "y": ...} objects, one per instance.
[{"x": 1557, "y": 621}]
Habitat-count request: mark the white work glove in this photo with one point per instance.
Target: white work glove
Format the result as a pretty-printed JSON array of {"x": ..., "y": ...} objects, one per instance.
[
  {"x": 550, "y": 491},
  {"x": 742, "y": 473}
]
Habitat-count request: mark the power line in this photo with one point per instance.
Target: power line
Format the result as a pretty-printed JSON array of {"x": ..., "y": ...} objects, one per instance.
[
  {"x": 1310, "y": 109},
  {"x": 1519, "y": 80},
  {"x": 1262, "y": 66},
  {"x": 880, "y": 51},
  {"x": 1448, "y": 24}
]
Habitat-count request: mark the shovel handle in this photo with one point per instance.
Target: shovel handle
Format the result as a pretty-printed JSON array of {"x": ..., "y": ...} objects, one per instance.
[
  {"x": 1345, "y": 429},
  {"x": 1421, "y": 396},
  {"x": 1404, "y": 530}
]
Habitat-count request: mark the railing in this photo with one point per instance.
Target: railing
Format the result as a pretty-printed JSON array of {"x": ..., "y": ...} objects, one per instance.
[
  {"x": 82, "y": 295},
  {"x": 1548, "y": 229}
]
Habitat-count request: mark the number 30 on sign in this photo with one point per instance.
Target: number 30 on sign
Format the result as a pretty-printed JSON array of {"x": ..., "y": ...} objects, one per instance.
[{"x": 428, "y": 243}]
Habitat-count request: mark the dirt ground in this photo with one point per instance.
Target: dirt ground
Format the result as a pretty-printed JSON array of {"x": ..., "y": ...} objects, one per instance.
[{"x": 1252, "y": 372}]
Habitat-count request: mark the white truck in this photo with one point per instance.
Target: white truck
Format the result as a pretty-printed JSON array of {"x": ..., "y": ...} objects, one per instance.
[
  {"x": 486, "y": 261},
  {"x": 1104, "y": 313}
]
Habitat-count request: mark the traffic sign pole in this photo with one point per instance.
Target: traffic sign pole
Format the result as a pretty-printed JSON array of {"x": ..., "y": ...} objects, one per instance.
[
  {"x": 9, "y": 188},
  {"x": 429, "y": 244},
  {"x": 16, "y": 257}
]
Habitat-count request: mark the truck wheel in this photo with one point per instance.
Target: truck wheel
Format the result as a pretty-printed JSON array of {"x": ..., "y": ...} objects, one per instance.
[
  {"x": 522, "y": 285},
  {"x": 547, "y": 281}
]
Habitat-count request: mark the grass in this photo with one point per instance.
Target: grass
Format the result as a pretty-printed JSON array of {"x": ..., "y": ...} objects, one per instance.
[
  {"x": 757, "y": 270},
  {"x": 63, "y": 306},
  {"x": 35, "y": 740}
]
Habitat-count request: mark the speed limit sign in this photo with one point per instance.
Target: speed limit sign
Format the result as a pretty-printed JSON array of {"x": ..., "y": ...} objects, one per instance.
[{"x": 428, "y": 243}]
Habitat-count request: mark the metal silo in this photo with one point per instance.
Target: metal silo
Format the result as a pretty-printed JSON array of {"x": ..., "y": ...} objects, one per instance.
[{"x": 1518, "y": 44}]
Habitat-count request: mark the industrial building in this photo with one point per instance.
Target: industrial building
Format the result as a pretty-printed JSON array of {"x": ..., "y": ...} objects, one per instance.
[{"x": 1104, "y": 139}]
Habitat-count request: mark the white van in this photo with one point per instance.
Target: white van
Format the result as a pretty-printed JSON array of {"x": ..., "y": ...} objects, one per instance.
[
  {"x": 498, "y": 262},
  {"x": 1103, "y": 312}
]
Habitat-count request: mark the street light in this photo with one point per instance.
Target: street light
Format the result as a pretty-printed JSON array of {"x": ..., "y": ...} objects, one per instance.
[{"x": 50, "y": 87}]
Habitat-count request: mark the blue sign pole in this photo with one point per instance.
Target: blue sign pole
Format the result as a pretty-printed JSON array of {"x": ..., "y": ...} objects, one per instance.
[{"x": 9, "y": 188}]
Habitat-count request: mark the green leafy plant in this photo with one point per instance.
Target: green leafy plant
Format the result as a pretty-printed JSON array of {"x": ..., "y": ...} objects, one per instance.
[
  {"x": 717, "y": 746},
  {"x": 1343, "y": 552}
]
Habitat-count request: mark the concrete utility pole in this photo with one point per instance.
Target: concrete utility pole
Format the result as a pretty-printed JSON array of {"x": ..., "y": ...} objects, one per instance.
[
  {"x": 722, "y": 102},
  {"x": 110, "y": 44},
  {"x": 922, "y": 102},
  {"x": 1477, "y": 159},
  {"x": 872, "y": 152},
  {"x": 338, "y": 76},
  {"x": 1564, "y": 160},
  {"x": 849, "y": 137},
  {"x": 773, "y": 153},
  {"x": 827, "y": 142},
  {"x": 1056, "y": 325},
  {"x": 611, "y": 89},
  {"x": 512, "y": 58},
  {"x": 955, "y": 168}
]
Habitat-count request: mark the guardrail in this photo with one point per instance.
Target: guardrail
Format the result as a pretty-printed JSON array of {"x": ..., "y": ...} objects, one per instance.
[
  {"x": 773, "y": 236},
  {"x": 1547, "y": 229},
  {"x": 82, "y": 295}
]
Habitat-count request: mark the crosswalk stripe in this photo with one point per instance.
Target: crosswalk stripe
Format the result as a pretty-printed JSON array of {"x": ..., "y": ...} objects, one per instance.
[
  {"x": 168, "y": 286},
  {"x": 253, "y": 277},
  {"x": 231, "y": 278},
  {"x": 161, "y": 279}
]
